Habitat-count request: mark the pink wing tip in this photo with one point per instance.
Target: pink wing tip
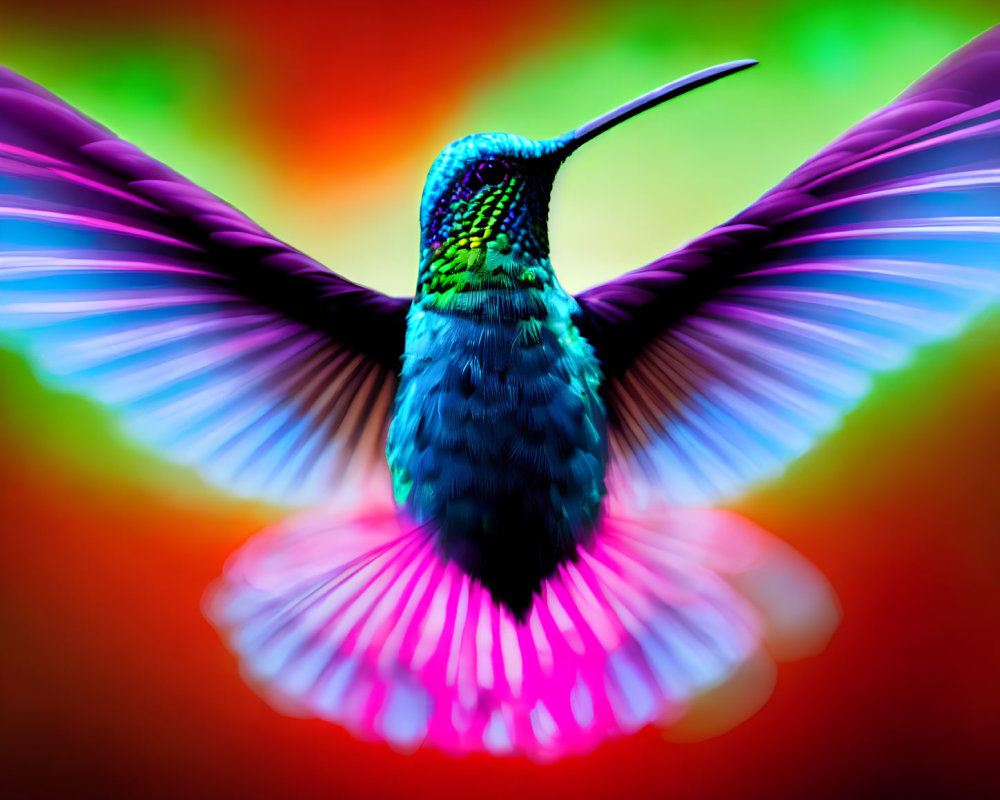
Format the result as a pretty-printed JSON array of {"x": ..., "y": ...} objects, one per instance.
[{"x": 359, "y": 622}]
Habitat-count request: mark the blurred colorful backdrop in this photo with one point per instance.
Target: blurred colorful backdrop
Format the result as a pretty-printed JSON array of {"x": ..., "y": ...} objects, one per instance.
[{"x": 320, "y": 120}]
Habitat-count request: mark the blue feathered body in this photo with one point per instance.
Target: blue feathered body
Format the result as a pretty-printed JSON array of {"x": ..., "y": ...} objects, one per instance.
[{"x": 498, "y": 436}]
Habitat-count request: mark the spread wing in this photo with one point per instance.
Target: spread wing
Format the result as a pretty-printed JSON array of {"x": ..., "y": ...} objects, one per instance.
[
  {"x": 218, "y": 344},
  {"x": 728, "y": 358}
]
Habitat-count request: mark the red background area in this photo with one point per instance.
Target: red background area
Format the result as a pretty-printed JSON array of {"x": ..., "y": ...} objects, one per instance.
[{"x": 113, "y": 684}]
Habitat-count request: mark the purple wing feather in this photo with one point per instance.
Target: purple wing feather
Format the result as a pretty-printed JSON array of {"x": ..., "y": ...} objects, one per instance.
[
  {"x": 728, "y": 358},
  {"x": 219, "y": 344}
]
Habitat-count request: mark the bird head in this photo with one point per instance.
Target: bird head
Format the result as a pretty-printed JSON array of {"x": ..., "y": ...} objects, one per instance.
[{"x": 489, "y": 194}]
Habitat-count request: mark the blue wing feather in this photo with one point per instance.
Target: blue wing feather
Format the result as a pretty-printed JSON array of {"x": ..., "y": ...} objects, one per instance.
[
  {"x": 728, "y": 358},
  {"x": 218, "y": 344}
]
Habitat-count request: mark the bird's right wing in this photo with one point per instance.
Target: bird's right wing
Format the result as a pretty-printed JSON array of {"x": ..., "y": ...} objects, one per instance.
[
  {"x": 218, "y": 344},
  {"x": 728, "y": 358}
]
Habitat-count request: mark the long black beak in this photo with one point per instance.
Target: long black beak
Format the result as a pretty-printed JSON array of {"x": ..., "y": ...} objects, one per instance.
[{"x": 666, "y": 92}]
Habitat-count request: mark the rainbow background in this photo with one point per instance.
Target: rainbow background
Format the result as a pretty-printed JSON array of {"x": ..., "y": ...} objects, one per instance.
[{"x": 319, "y": 120}]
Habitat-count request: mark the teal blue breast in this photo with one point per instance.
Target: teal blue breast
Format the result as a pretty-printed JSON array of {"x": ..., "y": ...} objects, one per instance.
[{"x": 498, "y": 435}]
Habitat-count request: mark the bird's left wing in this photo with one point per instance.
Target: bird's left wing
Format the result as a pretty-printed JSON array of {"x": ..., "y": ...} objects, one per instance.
[
  {"x": 217, "y": 343},
  {"x": 728, "y": 358}
]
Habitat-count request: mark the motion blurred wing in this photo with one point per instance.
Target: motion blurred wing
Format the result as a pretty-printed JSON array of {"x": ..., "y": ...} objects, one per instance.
[
  {"x": 728, "y": 358},
  {"x": 220, "y": 345}
]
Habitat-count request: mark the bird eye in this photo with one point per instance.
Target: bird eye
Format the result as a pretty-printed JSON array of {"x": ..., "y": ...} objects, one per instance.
[{"x": 491, "y": 172}]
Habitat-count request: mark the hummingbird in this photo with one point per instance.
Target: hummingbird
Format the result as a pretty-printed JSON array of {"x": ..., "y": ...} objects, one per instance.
[{"x": 513, "y": 540}]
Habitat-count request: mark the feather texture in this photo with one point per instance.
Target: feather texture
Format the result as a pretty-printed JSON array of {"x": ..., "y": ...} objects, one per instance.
[
  {"x": 219, "y": 344},
  {"x": 360, "y": 622},
  {"x": 728, "y": 358}
]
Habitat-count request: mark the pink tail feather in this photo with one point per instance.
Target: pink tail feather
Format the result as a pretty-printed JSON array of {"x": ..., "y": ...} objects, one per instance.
[{"x": 361, "y": 623}]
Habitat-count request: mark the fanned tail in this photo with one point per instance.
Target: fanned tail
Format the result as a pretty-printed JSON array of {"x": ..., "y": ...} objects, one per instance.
[{"x": 361, "y": 623}]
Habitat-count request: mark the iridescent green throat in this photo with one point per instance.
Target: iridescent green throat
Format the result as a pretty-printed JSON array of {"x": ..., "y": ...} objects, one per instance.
[{"x": 480, "y": 248}]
